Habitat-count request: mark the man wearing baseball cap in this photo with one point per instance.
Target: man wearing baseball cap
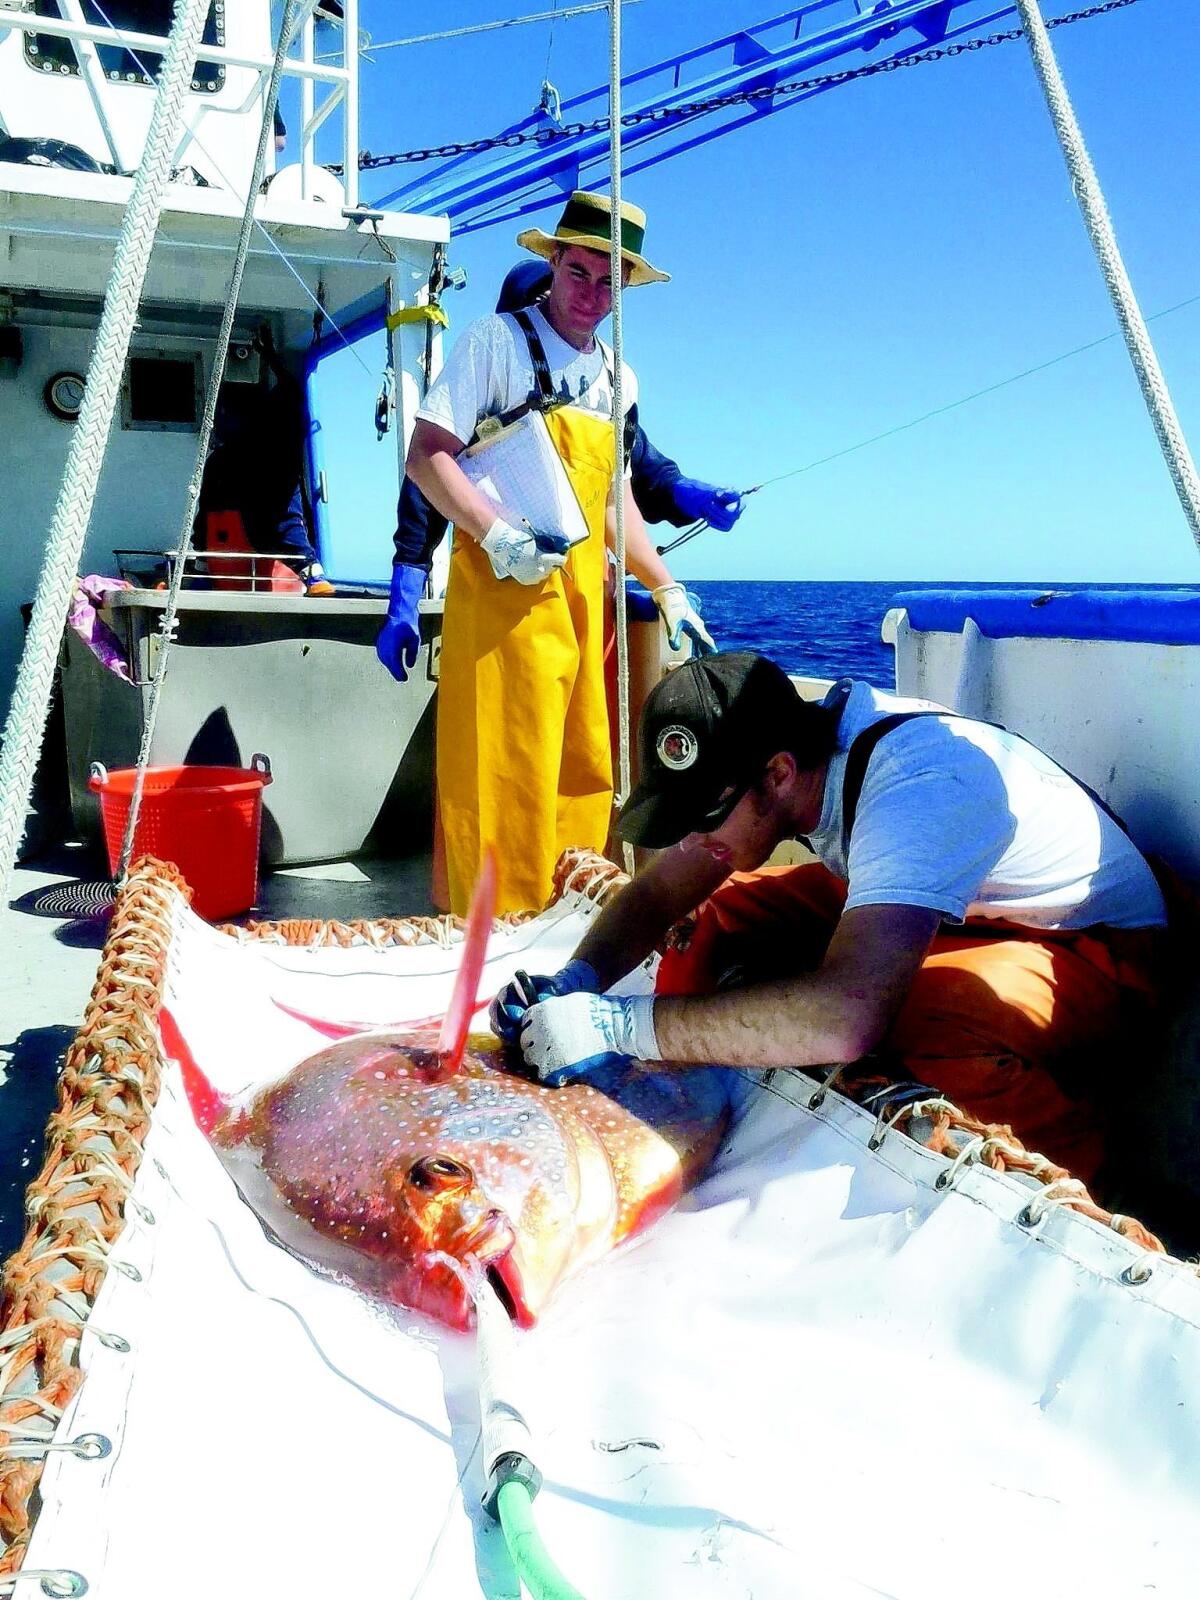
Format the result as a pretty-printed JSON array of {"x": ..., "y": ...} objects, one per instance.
[{"x": 974, "y": 913}]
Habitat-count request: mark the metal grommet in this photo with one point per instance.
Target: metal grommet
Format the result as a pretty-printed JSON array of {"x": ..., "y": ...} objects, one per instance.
[
  {"x": 114, "y": 1341},
  {"x": 64, "y": 1585},
  {"x": 817, "y": 1099},
  {"x": 127, "y": 1270},
  {"x": 942, "y": 1181},
  {"x": 876, "y": 1139},
  {"x": 1137, "y": 1272},
  {"x": 91, "y": 1446},
  {"x": 1029, "y": 1216}
]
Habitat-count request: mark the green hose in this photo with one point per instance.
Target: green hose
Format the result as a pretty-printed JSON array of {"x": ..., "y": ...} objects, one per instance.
[{"x": 540, "y": 1576}]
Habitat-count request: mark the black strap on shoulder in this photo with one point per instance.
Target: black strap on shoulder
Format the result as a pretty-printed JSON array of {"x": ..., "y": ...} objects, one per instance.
[
  {"x": 543, "y": 398},
  {"x": 548, "y": 397},
  {"x": 857, "y": 760},
  {"x": 862, "y": 748},
  {"x": 537, "y": 355}
]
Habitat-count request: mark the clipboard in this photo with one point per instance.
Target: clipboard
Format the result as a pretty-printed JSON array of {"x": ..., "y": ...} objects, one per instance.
[{"x": 517, "y": 467}]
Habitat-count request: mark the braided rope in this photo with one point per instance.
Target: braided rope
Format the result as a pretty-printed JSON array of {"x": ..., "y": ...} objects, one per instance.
[
  {"x": 938, "y": 1124},
  {"x": 77, "y": 1204},
  {"x": 1104, "y": 241},
  {"x": 30, "y": 707},
  {"x": 616, "y": 274},
  {"x": 233, "y": 295}
]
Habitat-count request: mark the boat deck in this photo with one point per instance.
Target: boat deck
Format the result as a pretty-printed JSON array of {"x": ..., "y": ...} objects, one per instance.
[{"x": 50, "y": 965}]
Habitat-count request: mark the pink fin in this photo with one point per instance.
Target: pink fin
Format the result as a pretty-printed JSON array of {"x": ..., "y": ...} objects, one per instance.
[
  {"x": 208, "y": 1107},
  {"x": 457, "y": 1021}
]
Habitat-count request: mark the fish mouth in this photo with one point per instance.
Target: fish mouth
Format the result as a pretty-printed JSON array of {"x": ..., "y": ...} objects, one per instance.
[
  {"x": 493, "y": 1247},
  {"x": 504, "y": 1276}
]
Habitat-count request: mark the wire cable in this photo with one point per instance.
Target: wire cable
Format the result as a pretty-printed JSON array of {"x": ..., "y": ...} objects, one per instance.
[
  {"x": 220, "y": 356},
  {"x": 616, "y": 274}
]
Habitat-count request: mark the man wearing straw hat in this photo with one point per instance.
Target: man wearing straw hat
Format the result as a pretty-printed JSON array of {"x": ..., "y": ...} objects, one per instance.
[{"x": 524, "y": 757}]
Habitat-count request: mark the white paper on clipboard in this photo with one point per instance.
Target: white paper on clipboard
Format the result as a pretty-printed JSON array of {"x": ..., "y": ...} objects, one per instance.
[{"x": 519, "y": 469}]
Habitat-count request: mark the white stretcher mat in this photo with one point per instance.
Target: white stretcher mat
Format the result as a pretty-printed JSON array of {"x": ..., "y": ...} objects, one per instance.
[{"x": 820, "y": 1378}]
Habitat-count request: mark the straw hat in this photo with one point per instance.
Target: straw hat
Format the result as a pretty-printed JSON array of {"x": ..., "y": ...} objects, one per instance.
[{"x": 587, "y": 221}]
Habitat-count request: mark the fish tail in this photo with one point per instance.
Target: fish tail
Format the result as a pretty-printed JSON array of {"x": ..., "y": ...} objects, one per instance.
[{"x": 209, "y": 1107}]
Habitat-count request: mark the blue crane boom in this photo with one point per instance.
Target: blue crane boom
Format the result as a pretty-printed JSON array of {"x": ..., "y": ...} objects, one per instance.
[{"x": 481, "y": 188}]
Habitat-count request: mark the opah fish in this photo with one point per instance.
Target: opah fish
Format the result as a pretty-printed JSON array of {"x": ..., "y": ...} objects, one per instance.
[{"x": 368, "y": 1160}]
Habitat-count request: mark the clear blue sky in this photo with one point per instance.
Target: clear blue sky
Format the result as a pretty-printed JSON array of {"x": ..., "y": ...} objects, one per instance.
[{"x": 880, "y": 251}]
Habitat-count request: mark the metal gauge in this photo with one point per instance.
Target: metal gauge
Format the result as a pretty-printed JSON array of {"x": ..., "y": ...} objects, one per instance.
[{"x": 63, "y": 395}]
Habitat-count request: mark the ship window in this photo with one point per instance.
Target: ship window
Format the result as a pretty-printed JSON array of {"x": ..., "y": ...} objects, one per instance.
[
  {"x": 162, "y": 392},
  {"x": 47, "y": 53}
]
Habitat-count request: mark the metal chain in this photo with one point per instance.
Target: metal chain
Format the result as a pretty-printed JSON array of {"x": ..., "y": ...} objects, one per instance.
[{"x": 741, "y": 97}]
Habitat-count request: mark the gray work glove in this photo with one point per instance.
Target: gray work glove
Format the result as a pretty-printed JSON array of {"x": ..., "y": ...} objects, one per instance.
[{"x": 521, "y": 553}]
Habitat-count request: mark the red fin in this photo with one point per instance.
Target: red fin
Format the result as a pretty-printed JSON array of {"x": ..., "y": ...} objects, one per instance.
[
  {"x": 457, "y": 1021},
  {"x": 207, "y": 1105}
]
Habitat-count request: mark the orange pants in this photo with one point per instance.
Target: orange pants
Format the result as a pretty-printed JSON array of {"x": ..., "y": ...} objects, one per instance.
[{"x": 1017, "y": 1025}]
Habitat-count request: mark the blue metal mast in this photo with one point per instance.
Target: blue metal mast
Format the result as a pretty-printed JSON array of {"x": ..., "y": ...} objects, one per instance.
[{"x": 481, "y": 188}]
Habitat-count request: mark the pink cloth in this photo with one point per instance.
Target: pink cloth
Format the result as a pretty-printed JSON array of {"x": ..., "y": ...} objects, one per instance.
[{"x": 91, "y": 594}]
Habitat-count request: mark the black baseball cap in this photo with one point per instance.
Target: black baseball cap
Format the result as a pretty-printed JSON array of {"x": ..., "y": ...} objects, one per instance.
[{"x": 706, "y": 734}]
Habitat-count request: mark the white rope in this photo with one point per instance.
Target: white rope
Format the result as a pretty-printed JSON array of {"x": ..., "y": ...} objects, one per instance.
[
  {"x": 30, "y": 707},
  {"x": 1104, "y": 242},
  {"x": 167, "y": 625},
  {"x": 615, "y": 269}
]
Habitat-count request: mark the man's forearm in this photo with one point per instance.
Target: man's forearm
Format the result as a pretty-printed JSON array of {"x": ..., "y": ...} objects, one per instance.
[
  {"x": 624, "y": 934},
  {"x": 797, "y": 1022},
  {"x": 635, "y": 922},
  {"x": 641, "y": 557}
]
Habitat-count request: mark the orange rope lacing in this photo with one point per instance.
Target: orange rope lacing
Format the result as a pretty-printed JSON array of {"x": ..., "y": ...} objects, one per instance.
[
  {"x": 1001, "y": 1150},
  {"x": 108, "y": 1086}
]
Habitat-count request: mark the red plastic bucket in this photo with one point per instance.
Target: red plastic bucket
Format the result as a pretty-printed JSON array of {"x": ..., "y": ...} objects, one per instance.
[{"x": 207, "y": 820}]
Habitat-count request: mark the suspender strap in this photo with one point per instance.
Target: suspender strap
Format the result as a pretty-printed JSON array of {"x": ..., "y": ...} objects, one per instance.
[
  {"x": 861, "y": 750},
  {"x": 537, "y": 354},
  {"x": 857, "y": 760},
  {"x": 547, "y": 395}
]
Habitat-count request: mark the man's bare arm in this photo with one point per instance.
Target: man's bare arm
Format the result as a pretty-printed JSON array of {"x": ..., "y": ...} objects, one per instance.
[
  {"x": 632, "y": 924},
  {"x": 641, "y": 557},
  {"x": 837, "y": 1013},
  {"x": 432, "y": 467}
]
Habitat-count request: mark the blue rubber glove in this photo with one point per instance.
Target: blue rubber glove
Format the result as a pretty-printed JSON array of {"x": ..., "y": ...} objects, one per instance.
[
  {"x": 507, "y": 1011},
  {"x": 400, "y": 637},
  {"x": 720, "y": 508},
  {"x": 563, "y": 1039}
]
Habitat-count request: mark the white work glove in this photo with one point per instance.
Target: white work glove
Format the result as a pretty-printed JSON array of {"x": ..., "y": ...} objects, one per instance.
[
  {"x": 679, "y": 617},
  {"x": 521, "y": 553},
  {"x": 567, "y": 1036}
]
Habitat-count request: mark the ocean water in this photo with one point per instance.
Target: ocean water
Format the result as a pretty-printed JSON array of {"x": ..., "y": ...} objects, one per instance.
[
  {"x": 824, "y": 630},
  {"x": 818, "y": 630}
]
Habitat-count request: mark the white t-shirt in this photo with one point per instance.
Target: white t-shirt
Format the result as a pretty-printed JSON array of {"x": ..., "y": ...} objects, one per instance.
[
  {"x": 489, "y": 371},
  {"x": 971, "y": 821}
]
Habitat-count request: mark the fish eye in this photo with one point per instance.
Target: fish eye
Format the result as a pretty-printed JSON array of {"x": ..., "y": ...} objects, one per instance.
[{"x": 430, "y": 1172}]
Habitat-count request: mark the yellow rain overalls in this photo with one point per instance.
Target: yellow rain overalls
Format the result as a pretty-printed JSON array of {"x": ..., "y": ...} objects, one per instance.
[{"x": 523, "y": 752}]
